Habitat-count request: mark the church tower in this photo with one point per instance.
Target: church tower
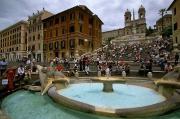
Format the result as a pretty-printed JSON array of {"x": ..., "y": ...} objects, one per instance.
[
  {"x": 127, "y": 17},
  {"x": 141, "y": 12}
]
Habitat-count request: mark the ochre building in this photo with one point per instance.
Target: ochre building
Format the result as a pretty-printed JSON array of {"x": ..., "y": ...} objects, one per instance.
[
  {"x": 175, "y": 8},
  {"x": 164, "y": 22},
  {"x": 13, "y": 41},
  {"x": 71, "y": 33}
]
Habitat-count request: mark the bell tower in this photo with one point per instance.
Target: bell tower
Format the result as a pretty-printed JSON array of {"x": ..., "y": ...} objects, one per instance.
[
  {"x": 127, "y": 17},
  {"x": 141, "y": 12}
]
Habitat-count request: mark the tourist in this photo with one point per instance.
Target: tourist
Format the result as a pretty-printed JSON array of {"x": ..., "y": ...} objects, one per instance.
[
  {"x": 83, "y": 63},
  {"x": 176, "y": 59},
  {"x": 80, "y": 64},
  {"x": 51, "y": 68},
  {"x": 87, "y": 69},
  {"x": 3, "y": 66},
  {"x": 168, "y": 67},
  {"x": 21, "y": 74},
  {"x": 59, "y": 67},
  {"x": 11, "y": 72},
  {"x": 127, "y": 69}
]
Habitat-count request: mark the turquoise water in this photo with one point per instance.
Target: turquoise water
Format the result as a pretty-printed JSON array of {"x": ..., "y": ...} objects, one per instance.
[
  {"x": 123, "y": 96},
  {"x": 28, "y": 105}
]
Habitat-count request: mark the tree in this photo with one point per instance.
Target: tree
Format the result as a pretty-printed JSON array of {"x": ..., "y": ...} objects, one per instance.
[
  {"x": 162, "y": 13},
  {"x": 167, "y": 31}
]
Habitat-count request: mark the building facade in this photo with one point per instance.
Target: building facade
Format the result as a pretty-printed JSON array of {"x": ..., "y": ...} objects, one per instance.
[
  {"x": 71, "y": 33},
  {"x": 35, "y": 34},
  {"x": 13, "y": 41},
  {"x": 175, "y": 8},
  {"x": 134, "y": 28},
  {"x": 163, "y": 23}
]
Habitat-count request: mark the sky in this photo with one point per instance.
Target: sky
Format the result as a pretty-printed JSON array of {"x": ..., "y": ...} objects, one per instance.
[{"x": 111, "y": 12}]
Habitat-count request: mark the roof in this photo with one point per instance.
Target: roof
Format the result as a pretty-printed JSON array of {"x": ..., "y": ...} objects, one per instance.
[
  {"x": 18, "y": 23},
  {"x": 169, "y": 8},
  {"x": 39, "y": 13},
  {"x": 83, "y": 7}
]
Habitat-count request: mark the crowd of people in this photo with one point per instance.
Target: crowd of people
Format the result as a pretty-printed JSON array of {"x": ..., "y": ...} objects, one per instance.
[
  {"x": 156, "y": 52},
  {"x": 109, "y": 58}
]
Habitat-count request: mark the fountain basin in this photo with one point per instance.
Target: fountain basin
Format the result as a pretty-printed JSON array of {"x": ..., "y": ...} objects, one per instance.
[{"x": 149, "y": 103}]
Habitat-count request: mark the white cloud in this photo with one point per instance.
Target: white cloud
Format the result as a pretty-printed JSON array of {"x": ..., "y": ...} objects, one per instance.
[{"x": 111, "y": 12}]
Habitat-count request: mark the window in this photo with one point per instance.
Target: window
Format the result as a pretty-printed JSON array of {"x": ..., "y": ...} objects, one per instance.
[
  {"x": 63, "y": 31},
  {"x": 63, "y": 18},
  {"x": 81, "y": 17},
  {"x": 51, "y": 23},
  {"x": 34, "y": 21},
  {"x": 174, "y": 11},
  {"x": 90, "y": 21},
  {"x": 63, "y": 55},
  {"x": 57, "y": 21},
  {"x": 50, "y": 46},
  {"x": 39, "y": 46},
  {"x": 56, "y": 45},
  {"x": 38, "y": 36},
  {"x": 72, "y": 16},
  {"x": 62, "y": 44},
  {"x": 80, "y": 27},
  {"x": 33, "y": 38},
  {"x": 81, "y": 42},
  {"x": 56, "y": 32},
  {"x": 33, "y": 47},
  {"x": 45, "y": 25},
  {"x": 175, "y": 26},
  {"x": 44, "y": 46},
  {"x": 71, "y": 29},
  {"x": 72, "y": 43},
  {"x": 176, "y": 40}
]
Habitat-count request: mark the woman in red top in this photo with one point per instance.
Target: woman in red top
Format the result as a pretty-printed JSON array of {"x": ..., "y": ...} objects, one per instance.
[
  {"x": 10, "y": 76},
  {"x": 59, "y": 67}
]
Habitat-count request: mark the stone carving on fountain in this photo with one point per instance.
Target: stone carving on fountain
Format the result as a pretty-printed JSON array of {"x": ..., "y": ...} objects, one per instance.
[
  {"x": 56, "y": 78},
  {"x": 169, "y": 83}
]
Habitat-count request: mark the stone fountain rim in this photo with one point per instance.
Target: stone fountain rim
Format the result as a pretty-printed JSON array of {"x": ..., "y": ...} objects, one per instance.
[{"x": 150, "y": 110}]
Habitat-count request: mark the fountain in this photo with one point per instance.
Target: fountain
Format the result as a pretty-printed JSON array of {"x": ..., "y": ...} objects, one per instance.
[
  {"x": 120, "y": 100},
  {"x": 170, "y": 82},
  {"x": 107, "y": 95}
]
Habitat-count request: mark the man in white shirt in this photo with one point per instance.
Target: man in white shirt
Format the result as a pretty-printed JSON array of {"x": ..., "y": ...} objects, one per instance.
[{"x": 21, "y": 74}]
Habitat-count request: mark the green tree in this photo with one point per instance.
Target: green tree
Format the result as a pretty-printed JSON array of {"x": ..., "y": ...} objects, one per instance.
[{"x": 167, "y": 31}]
